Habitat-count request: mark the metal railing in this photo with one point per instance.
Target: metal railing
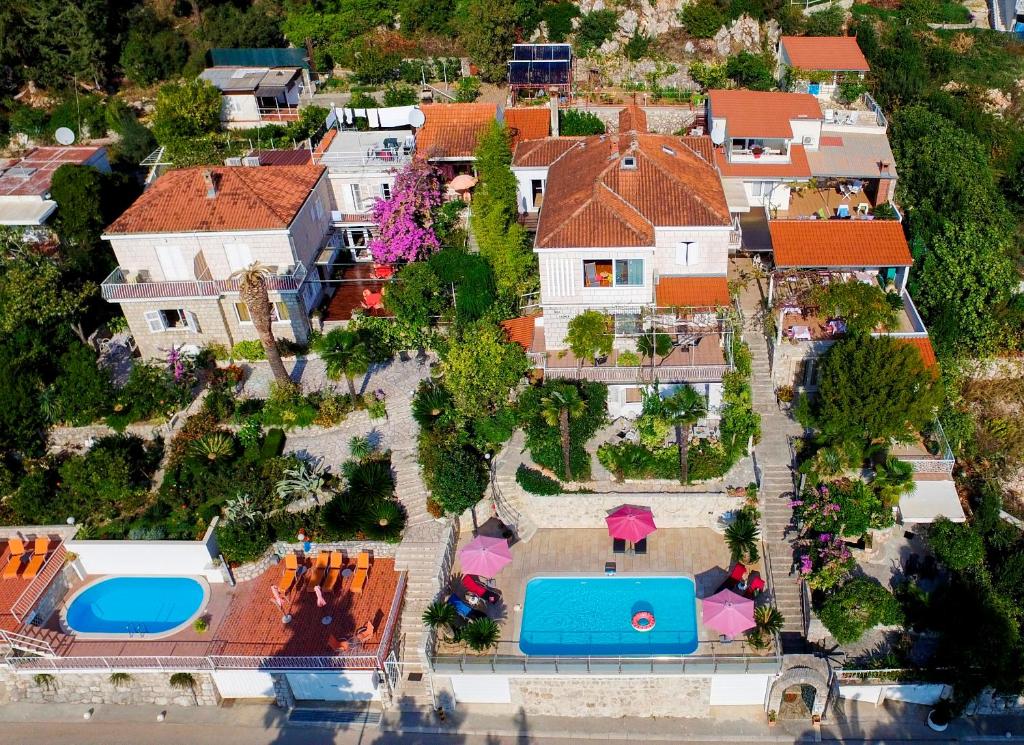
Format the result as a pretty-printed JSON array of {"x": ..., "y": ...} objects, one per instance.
[
  {"x": 27, "y": 644},
  {"x": 639, "y": 374},
  {"x": 196, "y": 663},
  {"x": 27, "y": 600},
  {"x": 118, "y": 287},
  {"x": 274, "y": 114},
  {"x": 941, "y": 462},
  {"x": 382, "y": 158},
  {"x": 393, "y": 613}
]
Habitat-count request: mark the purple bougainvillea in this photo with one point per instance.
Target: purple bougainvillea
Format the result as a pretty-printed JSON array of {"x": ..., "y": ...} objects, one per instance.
[{"x": 404, "y": 220}]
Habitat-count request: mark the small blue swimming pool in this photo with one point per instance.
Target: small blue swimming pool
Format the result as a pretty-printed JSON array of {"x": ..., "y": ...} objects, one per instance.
[
  {"x": 593, "y": 616},
  {"x": 136, "y": 605}
]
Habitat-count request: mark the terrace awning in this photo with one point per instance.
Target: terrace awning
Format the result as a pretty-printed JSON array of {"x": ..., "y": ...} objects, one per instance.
[
  {"x": 735, "y": 195},
  {"x": 931, "y": 499}
]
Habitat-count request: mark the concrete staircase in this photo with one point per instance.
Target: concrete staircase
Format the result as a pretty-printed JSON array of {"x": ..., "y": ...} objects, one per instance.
[{"x": 774, "y": 460}]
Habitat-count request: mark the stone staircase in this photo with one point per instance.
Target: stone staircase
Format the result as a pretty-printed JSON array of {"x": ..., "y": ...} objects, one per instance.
[{"x": 774, "y": 460}]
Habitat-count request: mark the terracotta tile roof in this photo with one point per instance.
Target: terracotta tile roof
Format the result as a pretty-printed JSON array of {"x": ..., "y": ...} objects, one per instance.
[
  {"x": 30, "y": 175},
  {"x": 592, "y": 199},
  {"x": 702, "y": 146},
  {"x": 296, "y": 157},
  {"x": 520, "y": 330},
  {"x": 452, "y": 130},
  {"x": 798, "y": 166},
  {"x": 923, "y": 345},
  {"x": 824, "y": 53},
  {"x": 529, "y": 123},
  {"x": 541, "y": 153},
  {"x": 326, "y": 141},
  {"x": 761, "y": 113},
  {"x": 633, "y": 119},
  {"x": 839, "y": 243},
  {"x": 692, "y": 292},
  {"x": 263, "y": 198}
]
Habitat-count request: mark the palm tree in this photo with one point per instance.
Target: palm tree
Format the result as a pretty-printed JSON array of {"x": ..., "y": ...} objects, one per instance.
[
  {"x": 252, "y": 287},
  {"x": 557, "y": 408},
  {"x": 893, "y": 478},
  {"x": 683, "y": 408},
  {"x": 769, "y": 623},
  {"x": 481, "y": 634},
  {"x": 344, "y": 355},
  {"x": 439, "y": 615},
  {"x": 741, "y": 538}
]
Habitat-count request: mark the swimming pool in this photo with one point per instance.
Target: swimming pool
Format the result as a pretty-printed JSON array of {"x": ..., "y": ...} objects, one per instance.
[
  {"x": 593, "y": 616},
  {"x": 121, "y": 606}
]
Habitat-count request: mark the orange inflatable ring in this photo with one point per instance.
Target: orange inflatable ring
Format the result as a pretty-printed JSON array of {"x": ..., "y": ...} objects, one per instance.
[{"x": 643, "y": 620}]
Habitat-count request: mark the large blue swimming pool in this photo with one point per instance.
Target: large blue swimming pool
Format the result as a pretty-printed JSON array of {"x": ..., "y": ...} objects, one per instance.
[
  {"x": 135, "y": 605},
  {"x": 592, "y": 616}
]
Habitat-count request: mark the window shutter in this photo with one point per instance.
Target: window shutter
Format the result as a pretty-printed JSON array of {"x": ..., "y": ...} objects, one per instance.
[
  {"x": 692, "y": 254},
  {"x": 681, "y": 252},
  {"x": 193, "y": 322},
  {"x": 172, "y": 263},
  {"x": 155, "y": 320}
]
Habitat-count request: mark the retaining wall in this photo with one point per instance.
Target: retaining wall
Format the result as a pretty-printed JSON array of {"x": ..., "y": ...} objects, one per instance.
[{"x": 96, "y": 688}]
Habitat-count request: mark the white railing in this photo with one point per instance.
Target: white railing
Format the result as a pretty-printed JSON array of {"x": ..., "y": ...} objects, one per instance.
[
  {"x": 199, "y": 663},
  {"x": 379, "y": 159},
  {"x": 27, "y": 644},
  {"x": 27, "y": 600},
  {"x": 389, "y": 626},
  {"x": 116, "y": 286},
  {"x": 639, "y": 374}
]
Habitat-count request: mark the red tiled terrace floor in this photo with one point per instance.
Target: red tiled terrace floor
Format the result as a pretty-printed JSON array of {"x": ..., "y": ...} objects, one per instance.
[
  {"x": 12, "y": 588},
  {"x": 348, "y": 293}
]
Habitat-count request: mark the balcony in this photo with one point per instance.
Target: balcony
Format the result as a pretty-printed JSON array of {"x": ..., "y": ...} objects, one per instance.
[
  {"x": 862, "y": 115},
  {"x": 928, "y": 453},
  {"x": 121, "y": 285},
  {"x": 695, "y": 359}
]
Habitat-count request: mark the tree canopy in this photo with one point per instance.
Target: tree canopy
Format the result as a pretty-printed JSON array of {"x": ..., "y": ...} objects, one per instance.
[{"x": 480, "y": 368}]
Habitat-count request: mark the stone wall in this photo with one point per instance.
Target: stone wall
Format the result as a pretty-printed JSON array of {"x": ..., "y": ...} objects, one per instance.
[
  {"x": 619, "y": 696},
  {"x": 660, "y": 119},
  {"x": 590, "y": 510},
  {"x": 96, "y": 688}
]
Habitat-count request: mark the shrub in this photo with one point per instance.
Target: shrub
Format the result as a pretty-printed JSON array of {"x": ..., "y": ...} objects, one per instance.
[
  {"x": 490, "y": 432},
  {"x": 559, "y": 17},
  {"x": 702, "y": 19},
  {"x": 572, "y": 122},
  {"x": 544, "y": 440},
  {"x": 82, "y": 388},
  {"x": 467, "y": 90},
  {"x": 742, "y": 537},
  {"x": 957, "y": 545},
  {"x": 242, "y": 542},
  {"x": 371, "y": 479},
  {"x": 456, "y": 474},
  {"x": 400, "y": 95},
  {"x": 383, "y": 520},
  {"x": 536, "y": 482},
  {"x": 431, "y": 404},
  {"x": 151, "y": 391},
  {"x": 856, "y": 607},
  {"x": 273, "y": 444},
  {"x": 249, "y": 349},
  {"x": 594, "y": 29}
]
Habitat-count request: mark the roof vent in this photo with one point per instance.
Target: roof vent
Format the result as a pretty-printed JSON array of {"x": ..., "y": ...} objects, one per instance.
[
  {"x": 667, "y": 150},
  {"x": 211, "y": 184},
  {"x": 629, "y": 163}
]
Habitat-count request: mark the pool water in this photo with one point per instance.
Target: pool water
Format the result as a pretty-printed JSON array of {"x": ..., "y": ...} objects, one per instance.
[
  {"x": 592, "y": 616},
  {"x": 135, "y": 605}
]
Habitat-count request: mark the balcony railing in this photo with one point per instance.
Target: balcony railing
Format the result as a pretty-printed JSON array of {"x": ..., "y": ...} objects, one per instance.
[
  {"x": 381, "y": 159},
  {"x": 119, "y": 286},
  {"x": 640, "y": 374},
  {"x": 196, "y": 663}
]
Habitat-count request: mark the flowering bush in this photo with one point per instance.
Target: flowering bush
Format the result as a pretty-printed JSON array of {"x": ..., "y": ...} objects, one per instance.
[
  {"x": 824, "y": 560},
  {"x": 844, "y": 507},
  {"x": 404, "y": 220}
]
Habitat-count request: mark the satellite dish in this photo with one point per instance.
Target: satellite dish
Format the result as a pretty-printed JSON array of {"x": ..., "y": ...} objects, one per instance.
[
  {"x": 718, "y": 131},
  {"x": 64, "y": 135},
  {"x": 416, "y": 118}
]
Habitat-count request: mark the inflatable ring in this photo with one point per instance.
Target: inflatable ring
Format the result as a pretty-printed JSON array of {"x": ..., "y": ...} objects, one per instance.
[{"x": 643, "y": 620}]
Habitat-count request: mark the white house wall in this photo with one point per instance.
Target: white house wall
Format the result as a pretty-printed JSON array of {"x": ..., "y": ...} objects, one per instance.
[
  {"x": 353, "y": 685},
  {"x": 524, "y": 178},
  {"x": 244, "y": 683},
  {"x": 239, "y": 108},
  {"x": 810, "y": 128},
  {"x": 154, "y": 558},
  {"x": 561, "y": 277},
  {"x": 340, "y": 189},
  {"x": 779, "y": 197},
  {"x": 739, "y": 690},
  {"x": 311, "y": 224},
  {"x": 713, "y": 251}
]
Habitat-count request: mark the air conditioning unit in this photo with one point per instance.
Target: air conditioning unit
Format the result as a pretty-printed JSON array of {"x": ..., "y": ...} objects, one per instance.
[
  {"x": 250, "y": 161},
  {"x": 808, "y": 140},
  {"x": 232, "y": 161}
]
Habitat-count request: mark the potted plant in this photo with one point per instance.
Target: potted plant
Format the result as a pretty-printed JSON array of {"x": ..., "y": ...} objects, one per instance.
[
  {"x": 757, "y": 151},
  {"x": 784, "y": 394},
  {"x": 938, "y": 718},
  {"x": 773, "y": 717}
]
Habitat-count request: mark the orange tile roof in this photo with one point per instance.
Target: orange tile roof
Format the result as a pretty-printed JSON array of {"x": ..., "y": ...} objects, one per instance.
[
  {"x": 761, "y": 113},
  {"x": 520, "y": 330},
  {"x": 541, "y": 153},
  {"x": 692, "y": 292},
  {"x": 248, "y": 198},
  {"x": 923, "y": 345},
  {"x": 839, "y": 243},
  {"x": 825, "y": 53},
  {"x": 593, "y": 200},
  {"x": 530, "y": 123},
  {"x": 633, "y": 119},
  {"x": 798, "y": 167},
  {"x": 452, "y": 130}
]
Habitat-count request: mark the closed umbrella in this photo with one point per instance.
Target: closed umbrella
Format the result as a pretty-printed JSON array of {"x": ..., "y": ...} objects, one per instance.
[
  {"x": 485, "y": 556},
  {"x": 630, "y": 523},
  {"x": 728, "y": 613}
]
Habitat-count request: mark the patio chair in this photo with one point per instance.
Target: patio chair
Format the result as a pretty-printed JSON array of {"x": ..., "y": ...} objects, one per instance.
[
  {"x": 863, "y": 208},
  {"x": 640, "y": 547},
  {"x": 460, "y": 606},
  {"x": 822, "y": 214},
  {"x": 843, "y": 211},
  {"x": 316, "y": 574},
  {"x": 334, "y": 571},
  {"x": 39, "y": 551},
  {"x": 291, "y": 568},
  {"x": 365, "y": 633},
  {"x": 830, "y": 116},
  {"x": 17, "y": 549},
  {"x": 362, "y": 571},
  {"x": 735, "y": 577},
  {"x": 618, "y": 546},
  {"x": 755, "y": 586}
]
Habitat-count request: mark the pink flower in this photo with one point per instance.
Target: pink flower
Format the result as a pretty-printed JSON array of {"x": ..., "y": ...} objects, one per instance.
[
  {"x": 825, "y": 537},
  {"x": 404, "y": 219},
  {"x": 795, "y": 503}
]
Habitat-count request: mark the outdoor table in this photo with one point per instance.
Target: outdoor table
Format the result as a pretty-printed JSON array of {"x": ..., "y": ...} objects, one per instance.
[{"x": 801, "y": 333}]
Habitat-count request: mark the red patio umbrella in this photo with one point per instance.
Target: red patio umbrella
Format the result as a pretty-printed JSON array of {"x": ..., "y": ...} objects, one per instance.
[{"x": 630, "y": 523}]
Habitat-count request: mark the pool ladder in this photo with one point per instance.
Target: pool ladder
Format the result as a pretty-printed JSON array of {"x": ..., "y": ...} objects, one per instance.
[{"x": 136, "y": 630}]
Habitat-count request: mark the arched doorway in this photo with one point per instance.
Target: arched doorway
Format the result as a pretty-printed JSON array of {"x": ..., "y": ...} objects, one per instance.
[
  {"x": 797, "y": 702},
  {"x": 801, "y": 691}
]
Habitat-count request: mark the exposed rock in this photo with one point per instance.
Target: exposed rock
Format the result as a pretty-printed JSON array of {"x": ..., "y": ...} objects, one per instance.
[{"x": 743, "y": 35}]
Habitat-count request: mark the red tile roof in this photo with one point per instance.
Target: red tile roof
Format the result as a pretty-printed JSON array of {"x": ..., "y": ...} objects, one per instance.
[
  {"x": 761, "y": 113},
  {"x": 923, "y": 345},
  {"x": 530, "y": 123},
  {"x": 520, "y": 330},
  {"x": 594, "y": 199},
  {"x": 541, "y": 153},
  {"x": 798, "y": 167},
  {"x": 633, "y": 119},
  {"x": 30, "y": 175},
  {"x": 824, "y": 53},
  {"x": 692, "y": 292},
  {"x": 452, "y": 130},
  {"x": 260, "y": 198},
  {"x": 839, "y": 243}
]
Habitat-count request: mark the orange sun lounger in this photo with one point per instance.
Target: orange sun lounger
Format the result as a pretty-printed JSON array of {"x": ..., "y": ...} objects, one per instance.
[
  {"x": 316, "y": 574},
  {"x": 17, "y": 549},
  {"x": 39, "y": 550},
  {"x": 335, "y": 570},
  {"x": 362, "y": 570},
  {"x": 291, "y": 567}
]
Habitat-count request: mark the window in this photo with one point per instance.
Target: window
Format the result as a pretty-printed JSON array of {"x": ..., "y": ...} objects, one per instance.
[
  {"x": 629, "y": 163},
  {"x": 278, "y": 313},
  {"x": 628, "y": 324},
  {"x": 537, "y": 192},
  {"x": 762, "y": 188},
  {"x": 613, "y": 273},
  {"x": 688, "y": 253},
  {"x": 357, "y": 237},
  {"x": 357, "y": 197},
  {"x": 385, "y": 191},
  {"x": 172, "y": 319}
]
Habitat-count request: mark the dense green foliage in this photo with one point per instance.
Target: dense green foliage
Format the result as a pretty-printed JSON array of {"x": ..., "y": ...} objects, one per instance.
[
  {"x": 543, "y": 438},
  {"x": 536, "y": 482},
  {"x": 856, "y": 607},
  {"x": 573, "y": 122}
]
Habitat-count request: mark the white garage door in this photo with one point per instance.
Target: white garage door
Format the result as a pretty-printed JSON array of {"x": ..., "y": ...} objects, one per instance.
[
  {"x": 352, "y": 686},
  {"x": 739, "y": 690},
  {"x": 244, "y": 684},
  {"x": 481, "y": 689}
]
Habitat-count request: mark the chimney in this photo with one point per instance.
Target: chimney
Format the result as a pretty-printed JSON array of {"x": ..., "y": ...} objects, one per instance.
[
  {"x": 211, "y": 186},
  {"x": 553, "y": 102}
]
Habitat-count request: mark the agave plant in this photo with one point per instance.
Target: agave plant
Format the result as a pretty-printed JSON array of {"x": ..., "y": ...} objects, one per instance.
[
  {"x": 241, "y": 509},
  {"x": 432, "y": 401},
  {"x": 361, "y": 447},
  {"x": 741, "y": 537},
  {"x": 481, "y": 634},
  {"x": 384, "y": 520},
  {"x": 303, "y": 480},
  {"x": 214, "y": 446}
]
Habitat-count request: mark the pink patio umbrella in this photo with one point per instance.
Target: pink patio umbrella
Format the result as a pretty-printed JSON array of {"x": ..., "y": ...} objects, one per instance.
[
  {"x": 485, "y": 556},
  {"x": 728, "y": 613},
  {"x": 630, "y": 523}
]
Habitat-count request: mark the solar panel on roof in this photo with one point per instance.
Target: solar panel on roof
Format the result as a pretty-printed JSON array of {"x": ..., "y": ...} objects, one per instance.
[{"x": 542, "y": 52}]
